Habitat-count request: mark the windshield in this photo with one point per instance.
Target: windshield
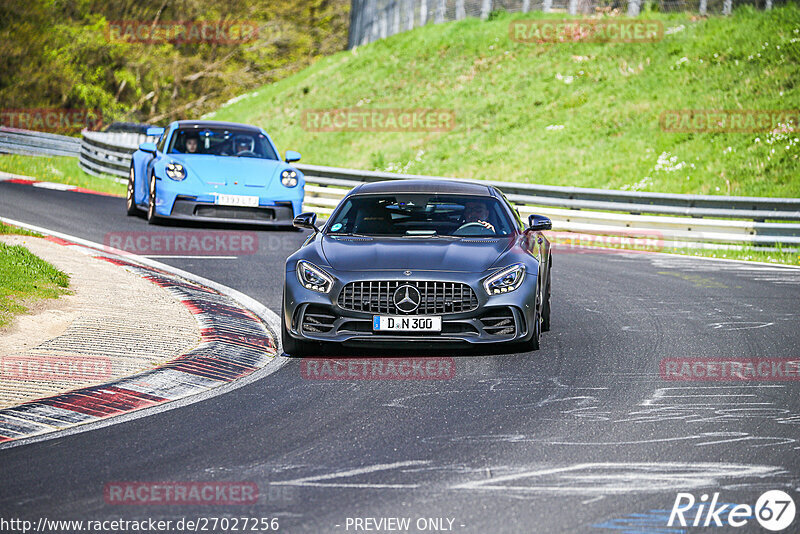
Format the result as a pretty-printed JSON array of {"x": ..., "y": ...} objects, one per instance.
[
  {"x": 421, "y": 214},
  {"x": 221, "y": 142}
]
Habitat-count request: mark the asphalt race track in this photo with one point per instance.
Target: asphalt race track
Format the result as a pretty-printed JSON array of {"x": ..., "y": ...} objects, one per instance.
[{"x": 582, "y": 436}]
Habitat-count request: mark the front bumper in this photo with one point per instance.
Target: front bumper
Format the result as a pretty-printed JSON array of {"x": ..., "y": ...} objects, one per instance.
[
  {"x": 314, "y": 316},
  {"x": 279, "y": 214}
]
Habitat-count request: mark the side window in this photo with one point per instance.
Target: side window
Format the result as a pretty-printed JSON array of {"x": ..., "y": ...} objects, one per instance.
[
  {"x": 521, "y": 225},
  {"x": 161, "y": 142}
]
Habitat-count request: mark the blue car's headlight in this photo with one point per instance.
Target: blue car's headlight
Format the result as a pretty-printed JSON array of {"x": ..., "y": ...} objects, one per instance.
[
  {"x": 289, "y": 178},
  {"x": 313, "y": 278},
  {"x": 506, "y": 280},
  {"x": 176, "y": 171}
]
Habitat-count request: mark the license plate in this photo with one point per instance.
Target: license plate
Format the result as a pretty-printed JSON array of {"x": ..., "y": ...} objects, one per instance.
[
  {"x": 400, "y": 323},
  {"x": 237, "y": 200}
]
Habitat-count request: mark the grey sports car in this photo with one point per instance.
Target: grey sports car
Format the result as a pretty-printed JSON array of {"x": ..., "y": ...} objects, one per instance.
[{"x": 419, "y": 262}]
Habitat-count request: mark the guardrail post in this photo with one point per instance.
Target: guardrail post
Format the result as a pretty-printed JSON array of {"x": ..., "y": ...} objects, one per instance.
[
  {"x": 703, "y": 7},
  {"x": 727, "y": 7},
  {"x": 440, "y": 9},
  {"x": 486, "y": 8},
  {"x": 547, "y": 6},
  {"x": 423, "y": 12},
  {"x": 526, "y": 6},
  {"x": 768, "y": 5},
  {"x": 461, "y": 13},
  {"x": 634, "y": 7}
]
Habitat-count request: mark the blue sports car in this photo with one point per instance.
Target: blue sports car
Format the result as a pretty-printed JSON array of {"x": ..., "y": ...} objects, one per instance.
[{"x": 214, "y": 171}]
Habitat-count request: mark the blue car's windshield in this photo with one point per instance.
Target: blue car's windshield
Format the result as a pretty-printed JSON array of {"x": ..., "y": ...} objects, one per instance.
[
  {"x": 421, "y": 214},
  {"x": 221, "y": 142}
]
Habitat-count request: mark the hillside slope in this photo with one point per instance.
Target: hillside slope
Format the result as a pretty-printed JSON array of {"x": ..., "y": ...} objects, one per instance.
[{"x": 582, "y": 114}]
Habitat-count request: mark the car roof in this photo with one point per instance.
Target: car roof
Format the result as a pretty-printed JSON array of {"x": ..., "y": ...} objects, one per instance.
[
  {"x": 425, "y": 186},
  {"x": 216, "y": 124}
]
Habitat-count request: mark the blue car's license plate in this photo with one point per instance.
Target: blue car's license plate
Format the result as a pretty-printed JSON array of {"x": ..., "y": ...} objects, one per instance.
[{"x": 400, "y": 323}]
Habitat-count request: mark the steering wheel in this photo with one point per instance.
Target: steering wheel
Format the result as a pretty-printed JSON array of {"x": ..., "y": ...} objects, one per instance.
[
  {"x": 469, "y": 228},
  {"x": 247, "y": 153}
]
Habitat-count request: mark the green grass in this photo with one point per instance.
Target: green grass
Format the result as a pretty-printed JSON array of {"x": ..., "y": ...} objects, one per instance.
[
  {"x": 747, "y": 254},
  {"x": 7, "y": 229},
  {"x": 505, "y": 95},
  {"x": 24, "y": 279},
  {"x": 60, "y": 169}
]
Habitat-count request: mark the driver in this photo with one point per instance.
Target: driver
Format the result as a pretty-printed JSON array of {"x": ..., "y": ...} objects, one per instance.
[
  {"x": 192, "y": 144},
  {"x": 476, "y": 211},
  {"x": 243, "y": 144}
]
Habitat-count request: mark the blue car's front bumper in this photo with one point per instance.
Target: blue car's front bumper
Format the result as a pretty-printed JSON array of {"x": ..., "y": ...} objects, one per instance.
[{"x": 172, "y": 202}]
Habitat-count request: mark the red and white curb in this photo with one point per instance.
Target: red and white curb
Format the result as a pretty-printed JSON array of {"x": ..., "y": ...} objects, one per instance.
[
  {"x": 27, "y": 180},
  {"x": 237, "y": 341}
]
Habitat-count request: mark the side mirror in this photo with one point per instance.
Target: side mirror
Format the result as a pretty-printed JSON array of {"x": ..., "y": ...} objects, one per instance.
[
  {"x": 291, "y": 156},
  {"x": 538, "y": 223},
  {"x": 155, "y": 131},
  {"x": 148, "y": 147},
  {"x": 306, "y": 220}
]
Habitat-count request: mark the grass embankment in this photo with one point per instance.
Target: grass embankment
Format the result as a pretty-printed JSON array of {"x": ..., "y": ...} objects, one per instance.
[
  {"x": 59, "y": 169},
  {"x": 25, "y": 278},
  {"x": 578, "y": 114}
]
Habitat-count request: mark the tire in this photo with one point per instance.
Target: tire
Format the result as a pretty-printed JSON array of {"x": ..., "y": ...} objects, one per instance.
[
  {"x": 152, "y": 218},
  {"x": 546, "y": 305},
  {"x": 533, "y": 344},
  {"x": 291, "y": 346},
  {"x": 130, "y": 200}
]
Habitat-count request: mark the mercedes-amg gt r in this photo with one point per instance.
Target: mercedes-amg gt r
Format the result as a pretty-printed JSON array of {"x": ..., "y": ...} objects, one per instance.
[{"x": 419, "y": 262}]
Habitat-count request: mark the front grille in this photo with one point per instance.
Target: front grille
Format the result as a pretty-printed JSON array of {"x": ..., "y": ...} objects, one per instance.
[
  {"x": 499, "y": 322},
  {"x": 317, "y": 320},
  {"x": 436, "y": 297}
]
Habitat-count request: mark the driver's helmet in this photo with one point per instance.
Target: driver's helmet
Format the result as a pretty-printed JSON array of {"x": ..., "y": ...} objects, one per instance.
[{"x": 243, "y": 143}]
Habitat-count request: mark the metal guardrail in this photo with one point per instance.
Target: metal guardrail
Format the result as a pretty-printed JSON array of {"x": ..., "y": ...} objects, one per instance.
[
  {"x": 109, "y": 153},
  {"x": 29, "y": 143},
  {"x": 689, "y": 219}
]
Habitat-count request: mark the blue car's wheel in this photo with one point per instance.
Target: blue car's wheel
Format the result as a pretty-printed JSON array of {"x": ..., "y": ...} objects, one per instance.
[
  {"x": 130, "y": 203},
  {"x": 152, "y": 218}
]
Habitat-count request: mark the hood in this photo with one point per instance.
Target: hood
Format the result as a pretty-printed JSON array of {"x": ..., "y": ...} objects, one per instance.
[
  {"x": 217, "y": 170},
  {"x": 403, "y": 253}
]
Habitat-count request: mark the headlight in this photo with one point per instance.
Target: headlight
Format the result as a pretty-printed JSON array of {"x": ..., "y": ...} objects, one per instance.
[
  {"x": 506, "y": 280},
  {"x": 313, "y": 278},
  {"x": 176, "y": 171},
  {"x": 289, "y": 178}
]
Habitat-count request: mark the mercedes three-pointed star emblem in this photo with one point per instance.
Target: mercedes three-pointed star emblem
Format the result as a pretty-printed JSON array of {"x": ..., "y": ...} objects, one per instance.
[{"x": 407, "y": 298}]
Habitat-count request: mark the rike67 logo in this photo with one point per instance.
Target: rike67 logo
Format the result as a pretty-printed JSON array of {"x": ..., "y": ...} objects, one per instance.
[{"x": 774, "y": 511}]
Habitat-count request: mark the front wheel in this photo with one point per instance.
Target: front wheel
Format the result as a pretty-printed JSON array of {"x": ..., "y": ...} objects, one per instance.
[
  {"x": 130, "y": 202},
  {"x": 152, "y": 218},
  {"x": 546, "y": 305}
]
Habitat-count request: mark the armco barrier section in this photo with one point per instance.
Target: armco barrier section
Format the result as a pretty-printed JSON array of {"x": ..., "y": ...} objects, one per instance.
[{"x": 690, "y": 219}]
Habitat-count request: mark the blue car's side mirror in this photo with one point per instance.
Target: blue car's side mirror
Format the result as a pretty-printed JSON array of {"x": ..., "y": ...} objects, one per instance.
[
  {"x": 148, "y": 147},
  {"x": 539, "y": 222},
  {"x": 291, "y": 156},
  {"x": 155, "y": 131}
]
